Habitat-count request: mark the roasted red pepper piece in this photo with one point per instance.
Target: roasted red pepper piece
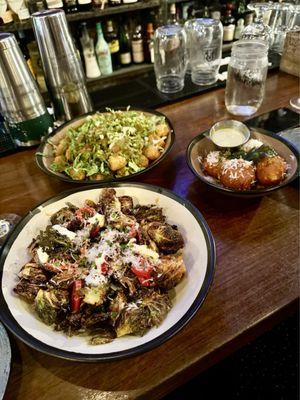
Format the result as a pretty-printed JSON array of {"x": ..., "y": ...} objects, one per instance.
[
  {"x": 94, "y": 231},
  {"x": 104, "y": 268},
  {"x": 144, "y": 274},
  {"x": 76, "y": 297}
]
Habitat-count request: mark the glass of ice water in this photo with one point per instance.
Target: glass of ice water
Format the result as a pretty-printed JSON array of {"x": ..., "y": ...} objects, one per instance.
[
  {"x": 170, "y": 58},
  {"x": 247, "y": 72},
  {"x": 204, "y": 37}
]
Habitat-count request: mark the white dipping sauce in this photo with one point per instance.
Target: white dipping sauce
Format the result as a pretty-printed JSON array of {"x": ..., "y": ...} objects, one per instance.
[{"x": 228, "y": 137}]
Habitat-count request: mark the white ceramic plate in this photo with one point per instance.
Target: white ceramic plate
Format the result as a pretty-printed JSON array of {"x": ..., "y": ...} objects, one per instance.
[{"x": 199, "y": 257}]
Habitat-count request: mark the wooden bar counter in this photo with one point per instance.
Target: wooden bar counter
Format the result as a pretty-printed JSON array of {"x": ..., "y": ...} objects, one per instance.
[{"x": 255, "y": 283}]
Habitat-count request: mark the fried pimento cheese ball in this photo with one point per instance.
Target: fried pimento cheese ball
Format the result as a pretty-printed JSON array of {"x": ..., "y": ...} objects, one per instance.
[
  {"x": 237, "y": 174},
  {"x": 270, "y": 171},
  {"x": 212, "y": 164}
]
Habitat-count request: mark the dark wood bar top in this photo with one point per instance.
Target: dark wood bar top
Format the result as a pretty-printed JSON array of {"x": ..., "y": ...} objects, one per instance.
[{"x": 255, "y": 283}]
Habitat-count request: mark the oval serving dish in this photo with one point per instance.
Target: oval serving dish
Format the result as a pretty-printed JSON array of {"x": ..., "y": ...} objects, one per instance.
[{"x": 44, "y": 155}]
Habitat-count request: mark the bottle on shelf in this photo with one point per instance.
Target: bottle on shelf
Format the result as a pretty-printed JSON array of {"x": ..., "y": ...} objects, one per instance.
[
  {"x": 239, "y": 29},
  {"x": 70, "y": 6},
  {"x": 54, "y": 4},
  {"x": 215, "y": 10},
  {"x": 228, "y": 24},
  {"x": 114, "y": 3},
  {"x": 137, "y": 46},
  {"x": 87, "y": 44},
  {"x": 124, "y": 40},
  {"x": 149, "y": 45},
  {"x": 173, "y": 15},
  {"x": 113, "y": 43},
  {"x": 84, "y": 5},
  {"x": 35, "y": 6},
  {"x": 23, "y": 13},
  {"x": 102, "y": 52}
]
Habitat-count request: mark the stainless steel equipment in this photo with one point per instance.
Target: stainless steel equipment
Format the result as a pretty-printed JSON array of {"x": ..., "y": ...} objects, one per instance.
[
  {"x": 21, "y": 103},
  {"x": 61, "y": 63}
]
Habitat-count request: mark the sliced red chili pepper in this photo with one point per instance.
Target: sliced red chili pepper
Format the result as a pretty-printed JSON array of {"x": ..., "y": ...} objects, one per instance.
[{"x": 76, "y": 297}]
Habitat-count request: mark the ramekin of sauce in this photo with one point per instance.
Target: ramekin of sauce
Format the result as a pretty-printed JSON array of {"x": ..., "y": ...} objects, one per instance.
[{"x": 229, "y": 133}]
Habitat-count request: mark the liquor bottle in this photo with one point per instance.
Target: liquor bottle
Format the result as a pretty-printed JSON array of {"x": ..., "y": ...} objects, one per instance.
[
  {"x": 114, "y": 3},
  {"x": 173, "y": 16},
  {"x": 87, "y": 44},
  {"x": 239, "y": 29},
  {"x": 54, "y": 4},
  {"x": 102, "y": 52},
  {"x": 113, "y": 43},
  {"x": 125, "y": 53},
  {"x": 215, "y": 10},
  {"x": 35, "y": 6},
  {"x": 70, "y": 6},
  {"x": 228, "y": 24},
  {"x": 137, "y": 46},
  {"x": 84, "y": 5},
  {"x": 149, "y": 45}
]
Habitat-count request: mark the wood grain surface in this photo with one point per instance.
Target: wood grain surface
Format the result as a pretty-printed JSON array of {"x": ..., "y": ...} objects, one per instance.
[{"x": 256, "y": 279}]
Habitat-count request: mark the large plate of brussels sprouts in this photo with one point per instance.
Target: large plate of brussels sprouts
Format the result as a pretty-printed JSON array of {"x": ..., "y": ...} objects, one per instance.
[{"x": 107, "y": 272}]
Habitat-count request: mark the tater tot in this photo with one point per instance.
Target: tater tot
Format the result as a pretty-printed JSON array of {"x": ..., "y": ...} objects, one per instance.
[
  {"x": 162, "y": 130},
  {"x": 68, "y": 154},
  {"x": 60, "y": 162},
  {"x": 270, "y": 170},
  {"x": 77, "y": 175},
  {"x": 116, "y": 162},
  {"x": 151, "y": 152},
  {"x": 60, "y": 148},
  {"x": 237, "y": 174},
  {"x": 143, "y": 161},
  {"x": 97, "y": 177}
]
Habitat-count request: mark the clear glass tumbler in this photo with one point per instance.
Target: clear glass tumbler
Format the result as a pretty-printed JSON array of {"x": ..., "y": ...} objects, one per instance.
[
  {"x": 204, "y": 38},
  {"x": 247, "y": 72},
  {"x": 170, "y": 58}
]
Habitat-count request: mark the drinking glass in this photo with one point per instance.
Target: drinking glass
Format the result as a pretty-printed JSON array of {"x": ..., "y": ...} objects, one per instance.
[
  {"x": 204, "y": 37},
  {"x": 281, "y": 24},
  {"x": 247, "y": 73},
  {"x": 259, "y": 29},
  {"x": 170, "y": 58}
]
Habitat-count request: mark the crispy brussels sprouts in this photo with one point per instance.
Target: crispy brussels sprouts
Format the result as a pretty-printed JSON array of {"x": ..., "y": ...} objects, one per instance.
[
  {"x": 32, "y": 273},
  {"x": 95, "y": 295},
  {"x": 158, "y": 305},
  {"x": 126, "y": 204},
  {"x": 61, "y": 216},
  {"x": 149, "y": 213},
  {"x": 171, "y": 271},
  {"x": 27, "y": 290},
  {"x": 103, "y": 336},
  {"x": 133, "y": 320},
  {"x": 48, "y": 302},
  {"x": 167, "y": 238}
]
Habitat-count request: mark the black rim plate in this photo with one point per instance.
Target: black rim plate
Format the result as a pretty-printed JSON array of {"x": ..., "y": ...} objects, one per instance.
[
  {"x": 8, "y": 319},
  {"x": 243, "y": 193}
]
